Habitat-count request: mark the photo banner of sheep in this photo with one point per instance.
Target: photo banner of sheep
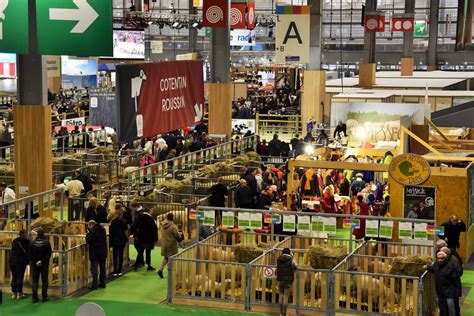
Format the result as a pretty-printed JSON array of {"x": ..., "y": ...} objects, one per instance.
[{"x": 377, "y": 122}]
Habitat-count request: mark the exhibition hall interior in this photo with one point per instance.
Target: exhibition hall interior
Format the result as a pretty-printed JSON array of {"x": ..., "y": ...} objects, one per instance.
[{"x": 236, "y": 157}]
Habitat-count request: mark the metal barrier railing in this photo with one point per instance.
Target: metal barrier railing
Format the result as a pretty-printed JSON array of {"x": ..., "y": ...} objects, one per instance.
[
  {"x": 283, "y": 125},
  {"x": 361, "y": 283},
  {"x": 187, "y": 161}
]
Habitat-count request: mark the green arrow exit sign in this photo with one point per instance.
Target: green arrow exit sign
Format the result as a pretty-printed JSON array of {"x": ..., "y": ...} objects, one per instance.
[
  {"x": 74, "y": 27},
  {"x": 14, "y": 26}
]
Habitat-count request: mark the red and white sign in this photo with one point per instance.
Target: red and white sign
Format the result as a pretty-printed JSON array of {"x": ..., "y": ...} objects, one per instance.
[
  {"x": 269, "y": 272},
  {"x": 214, "y": 13},
  {"x": 402, "y": 24},
  {"x": 7, "y": 69},
  {"x": 172, "y": 96},
  {"x": 374, "y": 23},
  {"x": 237, "y": 16},
  {"x": 251, "y": 15}
]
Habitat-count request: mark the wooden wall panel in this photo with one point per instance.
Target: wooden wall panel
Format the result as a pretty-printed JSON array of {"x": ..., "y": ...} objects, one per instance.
[
  {"x": 407, "y": 66},
  {"x": 313, "y": 103},
  {"x": 367, "y": 75},
  {"x": 220, "y": 108},
  {"x": 33, "y": 165}
]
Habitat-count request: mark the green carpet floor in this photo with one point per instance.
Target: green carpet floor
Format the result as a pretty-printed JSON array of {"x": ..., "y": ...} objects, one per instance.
[{"x": 468, "y": 281}]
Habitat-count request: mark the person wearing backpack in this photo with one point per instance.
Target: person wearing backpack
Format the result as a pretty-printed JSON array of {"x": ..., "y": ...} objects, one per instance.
[{"x": 285, "y": 273}]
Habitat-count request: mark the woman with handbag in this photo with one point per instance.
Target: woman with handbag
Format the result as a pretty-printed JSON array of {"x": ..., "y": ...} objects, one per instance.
[{"x": 171, "y": 237}]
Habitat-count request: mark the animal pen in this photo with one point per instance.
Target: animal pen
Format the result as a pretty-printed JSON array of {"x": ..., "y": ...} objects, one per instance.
[{"x": 334, "y": 276}]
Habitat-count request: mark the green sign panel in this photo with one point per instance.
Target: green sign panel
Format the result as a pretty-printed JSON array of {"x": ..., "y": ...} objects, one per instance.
[
  {"x": 75, "y": 27},
  {"x": 421, "y": 28},
  {"x": 14, "y": 26}
]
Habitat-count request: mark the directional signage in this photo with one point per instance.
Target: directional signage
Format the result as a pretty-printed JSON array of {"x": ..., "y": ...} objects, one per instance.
[
  {"x": 14, "y": 26},
  {"x": 74, "y": 27}
]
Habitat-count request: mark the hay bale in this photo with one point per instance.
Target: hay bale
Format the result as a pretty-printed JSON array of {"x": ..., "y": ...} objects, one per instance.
[
  {"x": 213, "y": 171},
  {"x": 49, "y": 225},
  {"x": 410, "y": 265},
  {"x": 7, "y": 174},
  {"x": 248, "y": 253},
  {"x": 174, "y": 186},
  {"x": 100, "y": 150},
  {"x": 253, "y": 156},
  {"x": 321, "y": 257}
]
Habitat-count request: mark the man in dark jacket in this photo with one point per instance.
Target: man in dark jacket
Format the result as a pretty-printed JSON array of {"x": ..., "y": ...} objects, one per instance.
[
  {"x": 447, "y": 283},
  {"x": 285, "y": 273},
  {"x": 243, "y": 195},
  {"x": 39, "y": 253},
  {"x": 252, "y": 184},
  {"x": 218, "y": 194},
  {"x": 454, "y": 259},
  {"x": 147, "y": 235},
  {"x": 274, "y": 146},
  {"x": 452, "y": 231},
  {"x": 137, "y": 211},
  {"x": 265, "y": 199},
  {"x": 86, "y": 181},
  {"x": 18, "y": 263},
  {"x": 97, "y": 240}
]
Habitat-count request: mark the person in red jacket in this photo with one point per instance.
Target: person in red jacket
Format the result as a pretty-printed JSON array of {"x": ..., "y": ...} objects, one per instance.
[
  {"x": 328, "y": 204},
  {"x": 363, "y": 208}
]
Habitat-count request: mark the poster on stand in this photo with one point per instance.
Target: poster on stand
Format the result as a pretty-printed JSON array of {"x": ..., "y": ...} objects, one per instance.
[
  {"x": 103, "y": 109},
  {"x": 419, "y": 202}
]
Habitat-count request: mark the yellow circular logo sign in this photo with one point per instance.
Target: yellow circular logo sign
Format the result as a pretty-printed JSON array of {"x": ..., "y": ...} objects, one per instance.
[{"x": 409, "y": 169}]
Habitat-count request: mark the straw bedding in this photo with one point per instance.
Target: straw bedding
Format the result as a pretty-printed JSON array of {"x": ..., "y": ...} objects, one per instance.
[
  {"x": 326, "y": 258},
  {"x": 410, "y": 265}
]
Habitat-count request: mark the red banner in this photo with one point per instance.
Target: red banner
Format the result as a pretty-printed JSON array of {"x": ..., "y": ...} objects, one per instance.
[
  {"x": 402, "y": 24},
  {"x": 237, "y": 16},
  {"x": 251, "y": 15},
  {"x": 214, "y": 13},
  {"x": 172, "y": 96},
  {"x": 156, "y": 98},
  {"x": 374, "y": 23}
]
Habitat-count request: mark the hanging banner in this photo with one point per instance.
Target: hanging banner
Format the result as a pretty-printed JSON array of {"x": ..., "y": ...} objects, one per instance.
[
  {"x": 330, "y": 225},
  {"x": 289, "y": 223},
  {"x": 405, "y": 230},
  {"x": 372, "y": 228},
  {"x": 209, "y": 218},
  {"x": 304, "y": 224},
  {"x": 156, "y": 98},
  {"x": 214, "y": 13},
  {"x": 237, "y": 16},
  {"x": 256, "y": 220},
  {"x": 420, "y": 231},
  {"x": 103, "y": 109},
  {"x": 386, "y": 229},
  {"x": 317, "y": 224},
  {"x": 228, "y": 219},
  {"x": 374, "y": 22},
  {"x": 244, "y": 220},
  {"x": 251, "y": 15},
  {"x": 242, "y": 38},
  {"x": 419, "y": 202},
  {"x": 402, "y": 23},
  {"x": 292, "y": 34}
]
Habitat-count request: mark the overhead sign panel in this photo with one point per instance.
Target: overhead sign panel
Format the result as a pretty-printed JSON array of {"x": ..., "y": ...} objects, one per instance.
[
  {"x": 292, "y": 34},
  {"x": 75, "y": 27},
  {"x": 14, "y": 26}
]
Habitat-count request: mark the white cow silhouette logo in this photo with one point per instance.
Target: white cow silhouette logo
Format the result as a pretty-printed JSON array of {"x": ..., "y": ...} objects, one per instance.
[
  {"x": 3, "y": 6},
  {"x": 136, "y": 89}
]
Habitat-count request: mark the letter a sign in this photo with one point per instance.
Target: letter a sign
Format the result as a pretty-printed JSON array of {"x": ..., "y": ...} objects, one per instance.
[{"x": 292, "y": 34}]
